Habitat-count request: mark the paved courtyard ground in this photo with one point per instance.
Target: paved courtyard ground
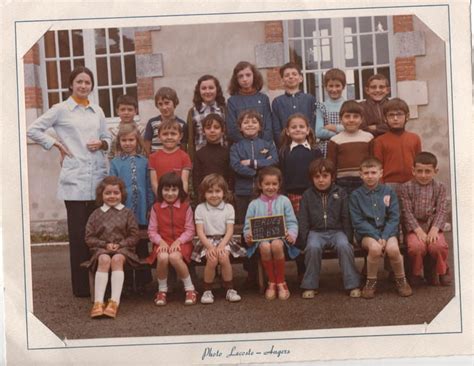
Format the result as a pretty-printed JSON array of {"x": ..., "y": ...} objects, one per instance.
[{"x": 68, "y": 317}]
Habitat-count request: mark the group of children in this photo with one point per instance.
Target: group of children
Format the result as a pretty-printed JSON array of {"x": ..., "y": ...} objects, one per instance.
[{"x": 267, "y": 161}]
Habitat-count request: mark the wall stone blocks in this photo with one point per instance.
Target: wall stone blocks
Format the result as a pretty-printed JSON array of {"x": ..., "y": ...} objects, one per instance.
[
  {"x": 273, "y": 31},
  {"x": 402, "y": 23},
  {"x": 143, "y": 44},
  {"x": 405, "y": 68},
  {"x": 409, "y": 44},
  {"x": 414, "y": 92},
  {"x": 32, "y": 56},
  {"x": 149, "y": 65},
  {"x": 269, "y": 55},
  {"x": 33, "y": 98},
  {"x": 145, "y": 88}
]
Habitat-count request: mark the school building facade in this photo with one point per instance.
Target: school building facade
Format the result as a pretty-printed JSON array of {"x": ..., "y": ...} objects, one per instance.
[{"x": 140, "y": 60}]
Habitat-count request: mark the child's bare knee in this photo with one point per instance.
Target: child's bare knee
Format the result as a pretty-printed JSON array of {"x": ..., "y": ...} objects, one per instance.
[
  {"x": 212, "y": 262},
  {"x": 175, "y": 258},
  {"x": 104, "y": 260},
  {"x": 264, "y": 248},
  {"x": 277, "y": 246},
  {"x": 224, "y": 258}
]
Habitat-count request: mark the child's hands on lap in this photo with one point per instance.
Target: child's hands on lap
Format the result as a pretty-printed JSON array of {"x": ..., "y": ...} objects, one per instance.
[
  {"x": 432, "y": 236},
  {"x": 163, "y": 247},
  {"x": 112, "y": 247},
  {"x": 211, "y": 253},
  {"x": 175, "y": 246},
  {"x": 249, "y": 239},
  {"x": 383, "y": 243},
  {"x": 421, "y": 235},
  {"x": 289, "y": 239}
]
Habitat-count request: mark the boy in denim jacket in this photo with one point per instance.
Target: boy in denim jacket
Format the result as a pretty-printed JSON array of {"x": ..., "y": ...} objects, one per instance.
[{"x": 375, "y": 216}]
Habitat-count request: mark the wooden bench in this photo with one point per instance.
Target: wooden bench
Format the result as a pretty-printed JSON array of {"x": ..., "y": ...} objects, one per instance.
[{"x": 327, "y": 254}]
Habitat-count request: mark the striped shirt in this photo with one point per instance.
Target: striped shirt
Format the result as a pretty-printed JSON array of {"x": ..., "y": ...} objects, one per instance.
[{"x": 347, "y": 150}]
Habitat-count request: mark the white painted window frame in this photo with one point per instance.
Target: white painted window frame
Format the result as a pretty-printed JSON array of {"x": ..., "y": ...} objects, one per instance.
[
  {"x": 337, "y": 44},
  {"x": 89, "y": 56}
]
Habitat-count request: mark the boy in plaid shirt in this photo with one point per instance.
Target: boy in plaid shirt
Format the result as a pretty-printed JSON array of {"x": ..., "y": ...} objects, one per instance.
[{"x": 424, "y": 216}]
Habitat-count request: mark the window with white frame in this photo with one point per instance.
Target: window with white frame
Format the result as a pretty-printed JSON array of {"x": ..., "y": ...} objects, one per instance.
[
  {"x": 108, "y": 52},
  {"x": 360, "y": 46}
]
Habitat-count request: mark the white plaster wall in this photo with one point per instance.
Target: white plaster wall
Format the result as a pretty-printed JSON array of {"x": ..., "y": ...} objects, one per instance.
[
  {"x": 190, "y": 51},
  {"x": 432, "y": 121}
]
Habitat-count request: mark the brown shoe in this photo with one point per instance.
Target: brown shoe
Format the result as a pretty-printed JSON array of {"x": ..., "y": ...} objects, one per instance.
[
  {"x": 368, "y": 292},
  {"x": 445, "y": 280},
  {"x": 111, "y": 309},
  {"x": 403, "y": 287},
  {"x": 97, "y": 309}
]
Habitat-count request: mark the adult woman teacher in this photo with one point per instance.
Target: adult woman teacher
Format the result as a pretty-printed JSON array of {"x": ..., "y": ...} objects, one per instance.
[{"x": 82, "y": 141}]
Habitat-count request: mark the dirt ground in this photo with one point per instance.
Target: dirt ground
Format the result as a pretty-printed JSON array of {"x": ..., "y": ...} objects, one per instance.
[{"x": 68, "y": 317}]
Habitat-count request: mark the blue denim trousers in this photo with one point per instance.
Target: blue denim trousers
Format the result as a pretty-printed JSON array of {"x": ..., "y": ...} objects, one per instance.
[{"x": 317, "y": 242}]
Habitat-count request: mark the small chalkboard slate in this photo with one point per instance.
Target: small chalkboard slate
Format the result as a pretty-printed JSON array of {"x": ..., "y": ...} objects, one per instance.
[{"x": 267, "y": 227}]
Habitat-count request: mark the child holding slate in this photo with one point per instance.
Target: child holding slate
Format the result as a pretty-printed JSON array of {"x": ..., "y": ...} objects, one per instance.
[{"x": 271, "y": 203}]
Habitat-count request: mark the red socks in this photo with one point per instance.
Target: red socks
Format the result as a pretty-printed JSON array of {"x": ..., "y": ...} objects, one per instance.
[
  {"x": 279, "y": 265},
  {"x": 275, "y": 270},
  {"x": 269, "y": 270}
]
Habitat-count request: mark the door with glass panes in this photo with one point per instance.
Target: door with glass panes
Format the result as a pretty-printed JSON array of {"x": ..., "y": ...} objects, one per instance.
[{"x": 360, "y": 46}]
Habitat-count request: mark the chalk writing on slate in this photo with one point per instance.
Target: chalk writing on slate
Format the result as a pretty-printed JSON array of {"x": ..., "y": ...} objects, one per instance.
[{"x": 267, "y": 227}]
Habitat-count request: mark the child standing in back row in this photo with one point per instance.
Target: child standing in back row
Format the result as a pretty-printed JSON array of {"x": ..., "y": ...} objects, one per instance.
[
  {"x": 375, "y": 217},
  {"x": 292, "y": 101},
  {"x": 213, "y": 157},
  {"x": 377, "y": 90},
  {"x": 397, "y": 148},
  {"x": 126, "y": 108},
  {"x": 248, "y": 156},
  {"x": 132, "y": 167},
  {"x": 207, "y": 99},
  {"x": 170, "y": 158},
  {"x": 327, "y": 114},
  {"x": 166, "y": 100},
  {"x": 424, "y": 216},
  {"x": 349, "y": 147},
  {"x": 298, "y": 149},
  {"x": 244, "y": 88},
  {"x": 272, "y": 251}
]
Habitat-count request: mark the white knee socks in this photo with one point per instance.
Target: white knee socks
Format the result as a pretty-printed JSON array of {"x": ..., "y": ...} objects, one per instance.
[
  {"x": 117, "y": 284},
  {"x": 101, "y": 279}
]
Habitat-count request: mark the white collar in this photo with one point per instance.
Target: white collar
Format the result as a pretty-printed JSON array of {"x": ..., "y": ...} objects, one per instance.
[
  {"x": 305, "y": 144},
  {"x": 220, "y": 206},
  {"x": 106, "y": 207}
]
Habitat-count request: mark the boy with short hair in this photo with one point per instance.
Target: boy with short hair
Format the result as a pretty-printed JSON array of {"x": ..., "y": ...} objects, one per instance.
[
  {"x": 424, "y": 216},
  {"x": 377, "y": 90},
  {"x": 397, "y": 148},
  {"x": 292, "y": 101},
  {"x": 350, "y": 147},
  {"x": 328, "y": 123},
  {"x": 166, "y": 100},
  {"x": 324, "y": 222},
  {"x": 375, "y": 216},
  {"x": 126, "y": 108}
]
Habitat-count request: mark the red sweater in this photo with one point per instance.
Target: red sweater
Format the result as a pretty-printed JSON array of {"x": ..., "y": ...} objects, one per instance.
[{"x": 397, "y": 153}]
